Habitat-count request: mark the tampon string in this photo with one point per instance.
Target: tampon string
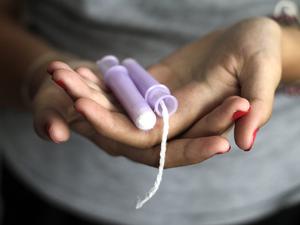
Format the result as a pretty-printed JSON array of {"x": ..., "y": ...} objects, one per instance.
[
  {"x": 141, "y": 95},
  {"x": 162, "y": 159}
]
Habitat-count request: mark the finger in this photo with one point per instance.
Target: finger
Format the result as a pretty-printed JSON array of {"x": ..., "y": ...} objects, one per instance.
[
  {"x": 88, "y": 74},
  {"x": 180, "y": 152},
  {"x": 55, "y": 65},
  {"x": 185, "y": 152},
  {"x": 220, "y": 119},
  {"x": 258, "y": 85},
  {"x": 77, "y": 88},
  {"x": 51, "y": 125},
  {"x": 93, "y": 83},
  {"x": 91, "y": 79},
  {"x": 84, "y": 72}
]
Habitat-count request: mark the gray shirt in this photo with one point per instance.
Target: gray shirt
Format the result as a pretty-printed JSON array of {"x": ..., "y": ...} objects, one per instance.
[{"x": 227, "y": 189}]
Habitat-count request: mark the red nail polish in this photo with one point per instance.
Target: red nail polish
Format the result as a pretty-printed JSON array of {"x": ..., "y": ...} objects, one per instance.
[
  {"x": 238, "y": 114},
  {"x": 61, "y": 84},
  {"x": 253, "y": 139}
]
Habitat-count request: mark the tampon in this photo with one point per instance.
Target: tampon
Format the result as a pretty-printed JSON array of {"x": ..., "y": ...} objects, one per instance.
[
  {"x": 151, "y": 89},
  {"x": 117, "y": 78}
]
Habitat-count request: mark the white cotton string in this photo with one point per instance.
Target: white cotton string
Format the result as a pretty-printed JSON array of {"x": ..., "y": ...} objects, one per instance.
[{"x": 163, "y": 149}]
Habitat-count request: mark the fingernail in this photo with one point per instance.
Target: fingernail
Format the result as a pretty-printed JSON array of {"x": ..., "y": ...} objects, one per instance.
[
  {"x": 238, "y": 114},
  {"x": 61, "y": 84},
  {"x": 219, "y": 153},
  {"x": 253, "y": 140}
]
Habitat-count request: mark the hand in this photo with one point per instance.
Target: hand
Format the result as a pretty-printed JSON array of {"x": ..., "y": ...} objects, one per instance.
[
  {"x": 243, "y": 60},
  {"x": 53, "y": 106}
]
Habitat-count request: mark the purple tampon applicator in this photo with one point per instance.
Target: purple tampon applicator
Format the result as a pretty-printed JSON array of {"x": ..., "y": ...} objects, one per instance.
[
  {"x": 117, "y": 78},
  {"x": 138, "y": 92},
  {"x": 153, "y": 92}
]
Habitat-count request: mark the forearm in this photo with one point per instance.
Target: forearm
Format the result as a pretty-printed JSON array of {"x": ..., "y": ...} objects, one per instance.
[
  {"x": 19, "y": 49},
  {"x": 290, "y": 54}
]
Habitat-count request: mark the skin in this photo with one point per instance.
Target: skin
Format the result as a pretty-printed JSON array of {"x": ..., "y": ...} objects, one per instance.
[{"x": 219, "y": 74}]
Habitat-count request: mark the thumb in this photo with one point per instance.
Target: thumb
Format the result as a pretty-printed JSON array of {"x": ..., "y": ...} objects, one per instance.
[{"x": 258, "y": 84}]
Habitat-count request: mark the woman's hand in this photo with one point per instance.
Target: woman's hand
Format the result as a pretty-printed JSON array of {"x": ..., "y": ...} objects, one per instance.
[
  {"x": 243, "y": 60},
  {"x": 53, "y": 109}
]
